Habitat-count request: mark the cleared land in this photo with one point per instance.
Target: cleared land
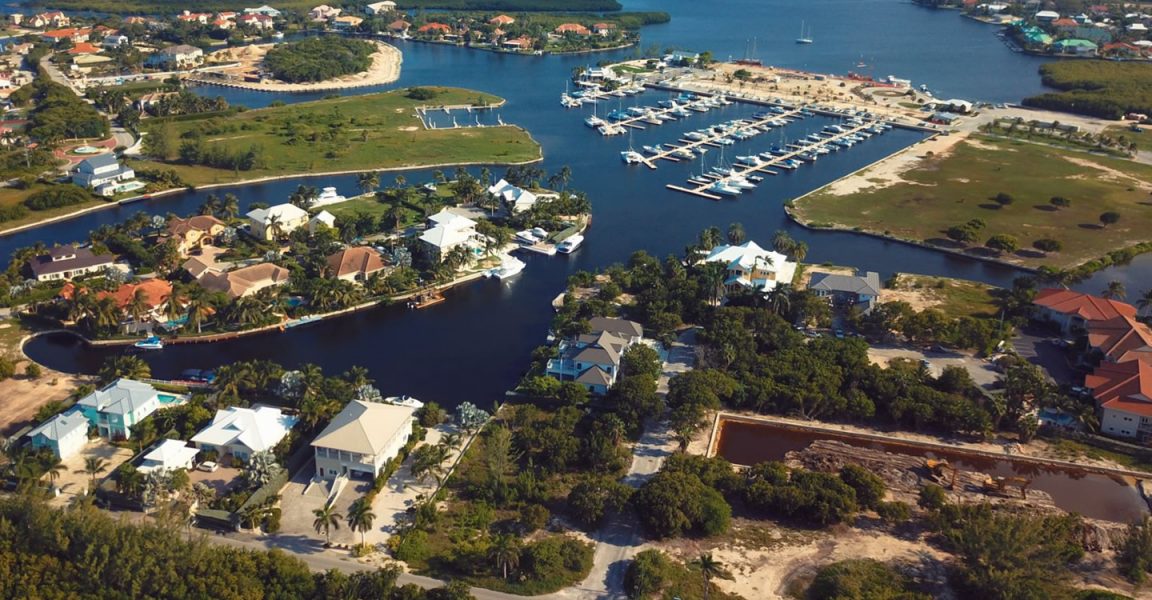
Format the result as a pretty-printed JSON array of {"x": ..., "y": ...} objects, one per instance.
[
  {"x": 953, "y": 297},
  {"x": 942, "y": 190},
  {"x": 359, "y": 133}
]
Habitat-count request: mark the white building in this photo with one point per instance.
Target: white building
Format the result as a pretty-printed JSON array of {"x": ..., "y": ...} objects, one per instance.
[
  {"x": 324, "y": 12},
  {"x": 116, "y": 41},
  {"x": 281, "y": 220},
  {"x": 517, "y": 199},
  {"x": 322, "y": 219},
  {"x": 593, "y": 359},
  {"x": 265, "y": 10},
  {"x": 66, "y": 262},
  {"x": 750, "y": 266},
  {"x": 102, "y": 172},
  {"x": 65, "y": 435},
  {"x": 117, "y": 407},
  {"x": 1123, "y": 394},
  {"x": 169, "y": 456},
  {"x": 362, "y": 439},
  {"x": 178, "y": 57},
  {"x": 242, "y": 432},
  {"x": 448, "y": 231},
  {"x": 379, "y": 8}
]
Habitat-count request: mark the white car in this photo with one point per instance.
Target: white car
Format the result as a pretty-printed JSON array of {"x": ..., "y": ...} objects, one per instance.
[{"x": 208, "y": 466}]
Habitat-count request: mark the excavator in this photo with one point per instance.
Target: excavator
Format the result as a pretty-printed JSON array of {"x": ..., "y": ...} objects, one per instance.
[
  {"x": 1001, "y": 486},
  {"x": 941, "y": 472}
]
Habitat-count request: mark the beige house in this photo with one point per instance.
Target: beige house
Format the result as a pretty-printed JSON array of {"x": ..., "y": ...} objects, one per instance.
[
  {"x": 274, "y": 221},
  {"x": 355, "y": 264},
  {"x": 193, "y": 233},
  {"x": 360, "y": 440},
  {"x": 245, "y": 281}
]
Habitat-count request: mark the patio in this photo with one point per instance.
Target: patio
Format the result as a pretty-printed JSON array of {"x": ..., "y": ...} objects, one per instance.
[
  {"x": 74, "y": 481},
  {"x": 221, "y": 480}
]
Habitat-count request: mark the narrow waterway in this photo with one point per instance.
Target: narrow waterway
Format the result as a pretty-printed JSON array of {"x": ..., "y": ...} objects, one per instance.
[{"x": 1090, "y": 494}]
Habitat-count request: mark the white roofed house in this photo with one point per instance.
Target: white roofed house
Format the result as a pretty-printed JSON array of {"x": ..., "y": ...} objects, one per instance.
[
  {"x": 324, "y": 12},
  {"x": 360, "y": 440},
  {"x": 180, "y": 56},
  {"x": 265, "y": 10},
  {"x": 751, "y": 267},
  {"x": 517, "y": 199},
  {"x": 379, "y": 8},
  {"x": 169, "y": 456},
  {"x": 276, "y": 221},
  {"x": 242, "y": 432},
  {"x": 448, "y": 231}
]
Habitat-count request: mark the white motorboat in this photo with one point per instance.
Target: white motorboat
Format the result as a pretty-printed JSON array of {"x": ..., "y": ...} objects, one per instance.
[
  {"x": 719, "y": 187},
  {"x": 594, "y": 121},
  {"x": 631, "y": 157},
  {"x": 150, "y": 343},
  {"x": 408, "y": 401},
  {"x": 570, "y": 245},
  {"x": 531, "y": 236},
  {"x": 608, "y": 129},
  {"x": 510, "y": 266},
  {"x": 328, "y": 196},
  {"x": 651, "y": 150}
]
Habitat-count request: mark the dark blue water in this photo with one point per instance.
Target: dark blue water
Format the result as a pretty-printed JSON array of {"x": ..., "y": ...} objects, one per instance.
[{"x": 474, "y": 346}]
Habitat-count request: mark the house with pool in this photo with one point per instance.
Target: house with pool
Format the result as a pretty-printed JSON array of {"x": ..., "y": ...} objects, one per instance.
[{"x": 114, "y": 409}]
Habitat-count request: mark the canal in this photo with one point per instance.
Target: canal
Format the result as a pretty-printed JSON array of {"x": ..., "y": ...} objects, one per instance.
[{"x": 1091, "y": 494}]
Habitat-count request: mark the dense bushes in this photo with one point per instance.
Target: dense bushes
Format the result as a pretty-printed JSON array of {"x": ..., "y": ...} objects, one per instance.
[
  {"x": 58, "y": 114},
  {"x": 57, "y": 196},
  {"x": 861, "y": 578},
  {"x": 1097, "y": 88},
  {"x": 319, "y": 59},
  {"x": 674, "y": 503}
]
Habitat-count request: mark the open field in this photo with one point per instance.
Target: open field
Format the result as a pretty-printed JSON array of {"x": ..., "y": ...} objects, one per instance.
[
  {"x": 953, "y": 297},
  {"x": 12, "y": 197},
  {"x": 941, "y": 190},
  {"x": 375, "y": 131}
]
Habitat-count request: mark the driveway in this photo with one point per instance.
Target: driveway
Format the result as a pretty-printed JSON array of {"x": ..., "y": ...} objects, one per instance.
[
  {"x": 1034, "y": 344},
  {"x": 980, "y": 370},
  {"x": 680, "y": 357},
  {"x": 74, "y": 481}
]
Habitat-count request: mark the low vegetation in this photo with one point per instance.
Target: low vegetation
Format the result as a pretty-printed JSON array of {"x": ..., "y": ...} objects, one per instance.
[
  {"x": 319, "y": 59},
  {"x": 1098, "y": 88}
]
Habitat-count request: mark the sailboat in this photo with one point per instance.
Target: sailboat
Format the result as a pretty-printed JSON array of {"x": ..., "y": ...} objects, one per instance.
[
  {"x": 804, "y": 39},
  {"x": 631, "y": 156}
]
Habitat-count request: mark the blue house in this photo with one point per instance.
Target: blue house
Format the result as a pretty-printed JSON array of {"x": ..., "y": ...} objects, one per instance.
[
  {"x": 114, "y": 409},
  {"x": 65, "y": 435}
]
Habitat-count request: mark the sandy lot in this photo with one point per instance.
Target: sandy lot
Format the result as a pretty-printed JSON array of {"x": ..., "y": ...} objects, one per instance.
[
  {"x": 385, "y": 69},
  {"x": 20, "y": 397},
  {"x": 74, "y": 481}
]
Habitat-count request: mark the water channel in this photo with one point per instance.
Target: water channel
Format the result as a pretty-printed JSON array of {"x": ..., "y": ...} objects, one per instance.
[{"x": 474, "y": 346}]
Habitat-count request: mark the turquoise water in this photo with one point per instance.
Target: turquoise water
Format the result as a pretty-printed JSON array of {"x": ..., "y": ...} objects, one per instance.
[{"x": 168, "y": 398}]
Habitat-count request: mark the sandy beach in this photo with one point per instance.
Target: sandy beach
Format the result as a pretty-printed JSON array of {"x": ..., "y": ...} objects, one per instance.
[{"x": 385, "y": 69}]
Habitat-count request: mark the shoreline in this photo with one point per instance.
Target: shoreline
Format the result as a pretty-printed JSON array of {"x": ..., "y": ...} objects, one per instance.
[
  {"x": 209, "y": 186},
  {"x": 511, "y": 53},
  {"x": 385, "y": 69}
]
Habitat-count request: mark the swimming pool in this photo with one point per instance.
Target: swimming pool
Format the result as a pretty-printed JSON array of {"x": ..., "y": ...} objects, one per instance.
[{"x": 167, "y": 399}]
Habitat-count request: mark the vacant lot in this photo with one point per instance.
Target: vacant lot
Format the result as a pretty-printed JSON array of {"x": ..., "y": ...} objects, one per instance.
[
  {"x": 946, "y": 190},
  {"x": 367, "y": 132},
  {"x": 953, "y": 297}
]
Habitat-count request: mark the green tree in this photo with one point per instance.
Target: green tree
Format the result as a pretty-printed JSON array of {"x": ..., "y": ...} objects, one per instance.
[
  {"x": 1002, "y": 242},
  {"x": 709, "y": 569},
  {"x": 360, "y": 518},
  {"x": 1109, "y": 218},
  {"x": 1114, "y": 291},
  {"x": 1048, "y": 245},
  {"x": 861, "y": 578},
  {"x": 129, "y": 367},
  {"x": 93, "y": 466},
  {"x": 1060, "y": 202},
  {"x": 326, "y": 520},
  {"x": 505, "y": 553}
]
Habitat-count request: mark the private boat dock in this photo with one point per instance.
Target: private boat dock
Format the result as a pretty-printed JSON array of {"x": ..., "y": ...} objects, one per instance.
[
  {"x": 688, "y": 144},
  {"x": 764, "y": 166}
]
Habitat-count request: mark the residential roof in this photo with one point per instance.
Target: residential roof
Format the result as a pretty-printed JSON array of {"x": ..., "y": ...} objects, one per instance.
[
  {"x": 156, "y": 292},
  {"x": 324, "y": 217},
  {"x": 365, "y": 427},
  {"x": 286, "y": 212},
  {"x": 501, "y": 20},
  {"x": 572, "y": 28},
  {"x": 595, "y": 376},
  {"x": 746, "y": 255},
  {"x": 205, "y": 223},
  {"x": 603, "y": 339},
  {"x": 618, "y": 327},
  {"x": 44, "y": 265},
  {"x": 434, "y": 27},
  {"x": 179, "y": 49},
  {"x": 358, "y": 259},
  {"x": 170, "y": 454},
  {"x": 237, "y": 283},
  {"x": 60, "y": 426},
  {"x": 869, "y": 284},
  {"x": 84, "y": 48},
  {"x": 121, "y": 397},
  {"x": 598, "y": 355},
  {"x": 1121, "y": 339},
  {"x": 399, "y": 25},
  {"x": 258, "y": 429},
  {"x": 1085, "y": 306},
  {"x": 1126, "y": 387},
  {"x": 100, "y": 160}
]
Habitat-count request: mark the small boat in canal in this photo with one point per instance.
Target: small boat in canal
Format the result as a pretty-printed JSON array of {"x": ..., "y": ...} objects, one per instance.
[
  {"x": 570, "y": 245},
  {"x": 149, "y": 343},
  {"x": 510, "y": 266}
]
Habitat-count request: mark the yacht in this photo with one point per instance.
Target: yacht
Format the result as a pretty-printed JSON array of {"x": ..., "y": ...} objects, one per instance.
[
  {"x": 150, "y": 343},
  {"x": 594, "y": 121},
  {"x": 328, "y": 196},
  {"x": 610, "y": 129},
  {"x": 408, "y": 401},
  {"x": 631, "y": 157},
  {"x": 683, "y": 153},
  {"x": 531, "y": 236},
  {"x": 651, "y": 150},
  {"x": 570, "y": 245},
  {"x": 740, "y": 183},
  {"x": 724, "y": 189},
  {"x": 510, "y": 266}
]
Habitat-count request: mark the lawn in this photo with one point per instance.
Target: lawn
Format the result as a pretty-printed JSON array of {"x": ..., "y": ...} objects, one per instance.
[
  {"x": 12, "y": 196},
  {"x": 953, "y": 297},
  {"x": 1124, "y": 133},
  {"x": 950, "y": 190},
  {"x": 367, "y": 132}
]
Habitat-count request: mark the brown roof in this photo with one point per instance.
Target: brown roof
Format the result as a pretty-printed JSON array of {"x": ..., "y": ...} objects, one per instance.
[
  {"x": 501, "y": 20},
  {"x": 359, "y": 259},
  {"x": 434, "y": 27},
  {"x": 1085, "y": 306},
  {"x": 1126, "y": 386},
  {"x": 1121, "y": 339},
  {"x": 205, "y": 223},
  {"x": 156, "y": 292},
  {"x": 237, "y": 283},
  {"x": 573, "y": 28}
]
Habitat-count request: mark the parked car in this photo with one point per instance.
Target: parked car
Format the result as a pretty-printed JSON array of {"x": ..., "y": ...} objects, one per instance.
[{"x": 208, "y": 466}]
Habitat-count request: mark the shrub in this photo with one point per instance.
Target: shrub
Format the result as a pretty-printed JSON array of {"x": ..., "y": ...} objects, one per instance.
[
  {"x": 1109, "y": 218},
  {"x": 533, "y": 517},
  {"x": 646, "y": 574},
  {"x": 1004, "y": 199},
  {"x": 56, "y": 197},
  {"x": 894, "y": 512},
  {"x": 272, "y": 521},
  {"x": 319, "y": 59},
  {"x": 33, "y": 371},
  {"x": 1048, "y": 245},
  {"x": 860, "y": 578},
  {"x": 869, "y": 488},
  {"x": 431, "y": 414},
  {"x": 414, "y": 548},
  {"x": 421, "y": 93},
  {"x": 932, "y": 497}
]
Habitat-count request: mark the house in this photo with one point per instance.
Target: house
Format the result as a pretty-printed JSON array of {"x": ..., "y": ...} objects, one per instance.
[
  {"x": 83, "y": 48},
  {"x": 102, "y": 173},
  {"x": 65, "y": 435},
  {"x": 1046, "y": 16},
  {"x": 257, "y": 21},
  {"x": 847, "y": 290},
  {"x": 179, "y": 56},
  {"x": 322, "y": 219},
  {"x": 111, "y": 42},
  {"x": 749, "y": 266},
  {"x": 66, "y": 262},
  {"x": 604, "y": 29},
  {"x": 265, "y": 10},
  {"x": 435, "y": 29},
  {"x": 54, "y": 18},
  {"x": 1065, "y": 23},
  {"x": 519, "y": 43},
  {"x": 399, "y": 26},
  {"x": 74, "y": 35},
  {"x": 1072, "y": 311},
  {"x": 244, "y": 281},
  {"x": 1121, "y": 339},
  {"x": 517, "y": 199},
  {"x": 501, "y": 20},
  {"x": 116, "y": 407},
  {"x": 169, "y": 456},
  {"x": 155, "y": 294},
  {"x": 379, "y": 8},
  {"x": 324, "y": 13},
  {"x": 192, "y": 233},
  {"x": 448, "y": 231},
  {"x": 224, "y": 24},
  {"x": 573, "y": 28},
  {"x": 242, "y": 432},
  {"x": 276, "y": 221},
  {"x": 1075, "y": 46},
  {"x": 357, "y": 263},
  {"x": 191, "y": 17},
  {"x": 1123, "y": 394},
  {"x": 360, "y": 440},
  {"x": 346, "y": 23},
  {"x": 593, "y": 359}
]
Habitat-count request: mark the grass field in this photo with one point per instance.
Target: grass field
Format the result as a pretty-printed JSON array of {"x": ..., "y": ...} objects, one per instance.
[
  {"x": 1142, "y": 139},
  {"x": 367, "y": 132},
  {"x": 953, "y": 297},
  {"x": 952, "y": 189},
  {"x": 13, "y": 196}
]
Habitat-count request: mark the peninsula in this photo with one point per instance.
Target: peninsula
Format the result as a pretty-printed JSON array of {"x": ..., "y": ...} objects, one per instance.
[{"x": 307, "y": 66}]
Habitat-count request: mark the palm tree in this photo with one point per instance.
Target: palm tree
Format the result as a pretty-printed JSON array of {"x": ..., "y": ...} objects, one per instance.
[
  {"x": 709, "y": 568},
  {"x": 1114, "y": 291},
  {"x": 357, "y": 376},
  {"x": 93, "y": 466},
  {"x": 174, "y": 306},
  {"x": 276, "y": 226},
  {"x": 138, "y": 305},
  {"x": 783, "y": 243},
  {"x": 327, "y": 519},
  {"x": 400, "y": 181},
  {"x": 53, "y": 472},
  {"x": 1145, "y": 301},
  {"x": 736, "y": 234},
  {"x": 505, "y": 552},
  {"x": 710, "y": 238},
  {"x": 231, "y": 206},
  {"x": 106, "y": 313},
  {"x": 368, "y": 181},
  {"x": 361, "y": 517},
  {"x": 780, "y": 299},
  {"x": 130, "y": 367},
  {"x": 199, "y": 307},
  {"x": 799, "y": 251}
]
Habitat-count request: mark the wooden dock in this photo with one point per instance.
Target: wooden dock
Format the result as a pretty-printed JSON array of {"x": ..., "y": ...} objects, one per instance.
[
  {"x": 742, "y": 170},
  {"x": 711, "y": 140}
]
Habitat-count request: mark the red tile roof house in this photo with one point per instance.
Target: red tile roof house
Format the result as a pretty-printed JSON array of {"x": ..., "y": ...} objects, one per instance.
[
  {"x": 603, "y": 29},
  {"x": 399, "y": 26},
  {"x": 501, "y": 20},
  {"x": 435, "y": 29},
  {"x": 575, "y": 28},
  {"x": 1121, "y": 339},
  {"x": 1072, "y": 311},
  {"x": 1123, "y": 393}
]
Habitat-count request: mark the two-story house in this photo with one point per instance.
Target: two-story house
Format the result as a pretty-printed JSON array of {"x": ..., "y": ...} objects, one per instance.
[
  {"x": 64, "y": 435},
  {"x": 118, "y": 406},
  {"x": 102, "y": 173},
  {"x": 847, "y": 290},
  {"x": 66, "y": 262},
  {"x": 448, "y": 231},
  {"x": 751, "y": 267},
  {"x": 1123, "y": 394},
  {"x": 193, "y": 233},
  {"x": 593, "y": 359},
  {"x": 360, "y": 440},
  {"x": 277, "y": 221}
]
